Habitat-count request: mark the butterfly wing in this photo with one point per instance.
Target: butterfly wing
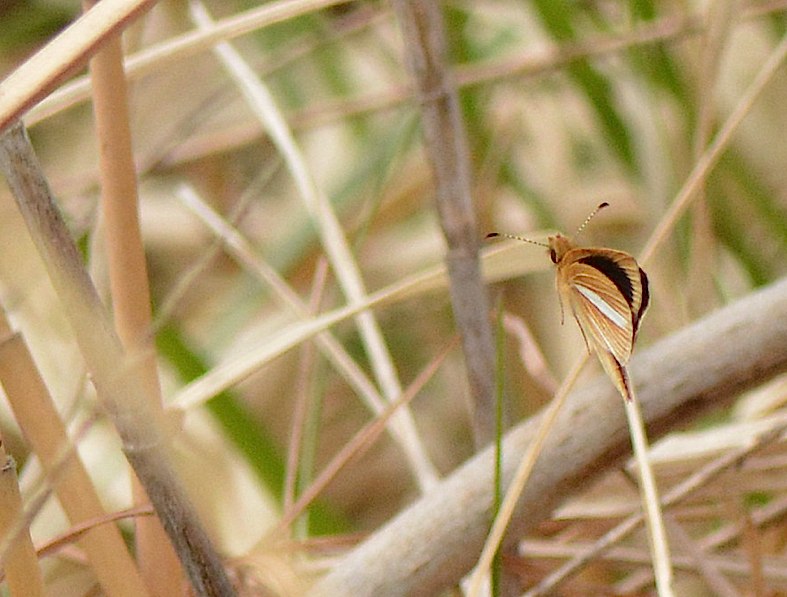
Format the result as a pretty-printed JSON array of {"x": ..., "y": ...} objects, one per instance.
[
  {"x": 624, "y": 272},
  {"x": 605, "y": 319},
  {"x": 605, "y": 301},
  {"x": 608, "y": 294},
  {"x": 617, "y": 373}
]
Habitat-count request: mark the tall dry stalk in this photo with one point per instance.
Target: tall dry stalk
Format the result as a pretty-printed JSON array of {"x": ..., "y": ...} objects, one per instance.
[
  {"x": 445, "y": 141},
  {"x": 121, "y": 392},
  {"x": 36, "y": 412},
  {"x": 128, "y": 276}
]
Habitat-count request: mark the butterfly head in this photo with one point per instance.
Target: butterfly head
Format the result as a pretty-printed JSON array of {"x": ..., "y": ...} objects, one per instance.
[{"x": 558, "y": 246}]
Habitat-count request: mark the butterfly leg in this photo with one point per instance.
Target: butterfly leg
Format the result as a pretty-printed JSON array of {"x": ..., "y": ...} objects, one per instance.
[{"x": 584, "y": 337}]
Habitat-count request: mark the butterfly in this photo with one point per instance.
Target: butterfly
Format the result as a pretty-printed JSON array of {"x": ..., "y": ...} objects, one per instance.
[{"x": 607, "y": 293}]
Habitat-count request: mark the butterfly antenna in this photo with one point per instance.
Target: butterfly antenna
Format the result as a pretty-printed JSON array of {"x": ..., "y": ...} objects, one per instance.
[
  {"x": 593, "y": 213},
  {"x": 513, "y": 237}
]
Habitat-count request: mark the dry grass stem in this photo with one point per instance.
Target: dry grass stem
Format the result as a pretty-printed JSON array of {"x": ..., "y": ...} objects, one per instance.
[
  {"x": 35, "y": 410},
  {"x": 529, "y": 352},
  {"x": 128, "y": 276},
  {"x": 333, "y": 239},
  {"x": 657, "y": 535},
  {"x": 63, "y": 55},
  {"x": 499, "y": 263},
  {"x": 160, "y": 55},
  {"x": 446, "y": 147},
  {"x": 75, "y": 533},
  {"x": 730, "y": 566},
  {"x": 199, "y": 266},
  {"x": 332, "y": 348},
  {"x": 148, "y": 61},
  {"x": 20, "y": 562},
  {"x": 720, "y": 27},
  {"x": 295, "y": 449},
  {"x": 714, "y": 151},
  {"x": 122, "y": 394}
]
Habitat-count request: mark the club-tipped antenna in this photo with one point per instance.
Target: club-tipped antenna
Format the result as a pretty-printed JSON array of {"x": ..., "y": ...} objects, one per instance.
[
  {"x": 514, "y": 237},
  {"x": 593, "y": 213}
]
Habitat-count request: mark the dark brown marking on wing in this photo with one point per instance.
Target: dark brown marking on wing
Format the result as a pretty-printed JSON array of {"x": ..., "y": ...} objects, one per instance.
[
  {"x": 614, "y": 272},
  {"x": 643, "y": 277}
]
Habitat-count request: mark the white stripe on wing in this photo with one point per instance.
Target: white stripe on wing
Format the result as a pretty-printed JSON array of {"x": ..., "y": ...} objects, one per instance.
[{"x": 610, "y": 313}]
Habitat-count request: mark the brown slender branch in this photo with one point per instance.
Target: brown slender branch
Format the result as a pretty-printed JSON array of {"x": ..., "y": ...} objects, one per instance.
[
  {"x": 121, "y": 392},
  {"x": 128, "y": 279},
  {"x": 446, "y": 147},
  {"x": 696, "y": 370}
]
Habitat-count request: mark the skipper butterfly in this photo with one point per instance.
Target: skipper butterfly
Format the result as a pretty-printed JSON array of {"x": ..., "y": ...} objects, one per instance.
[{"x": 607, "y": 293}]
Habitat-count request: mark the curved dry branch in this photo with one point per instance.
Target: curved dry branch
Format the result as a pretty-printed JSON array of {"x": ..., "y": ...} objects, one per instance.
[{"x": 700, "y": 368}]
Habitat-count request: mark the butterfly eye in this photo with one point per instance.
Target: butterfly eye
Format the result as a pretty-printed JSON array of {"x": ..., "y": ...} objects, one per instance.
[{"x": 553, "y": 255}]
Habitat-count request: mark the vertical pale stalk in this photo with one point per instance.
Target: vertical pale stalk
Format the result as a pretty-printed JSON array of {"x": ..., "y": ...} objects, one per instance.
[
  {"x": 23, "y": 576},
  {"x": 446, "y": 147},
  {"x": 129, "y": 282},
  {"x": 37, "y": 416},
  {"x": 119, "y": 389},
  {"x": 657, "y": 536}
]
